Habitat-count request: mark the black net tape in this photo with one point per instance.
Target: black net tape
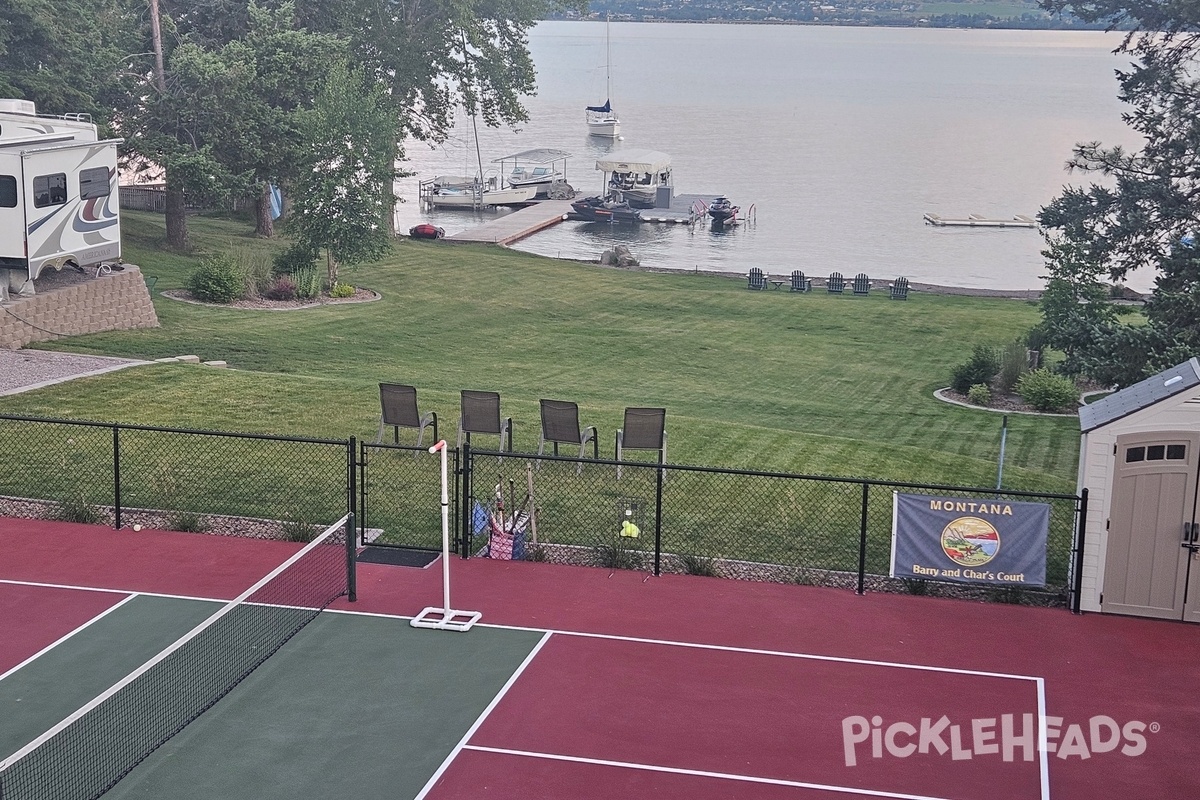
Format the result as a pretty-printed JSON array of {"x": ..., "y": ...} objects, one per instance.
[{"x": 89, "y": 756}]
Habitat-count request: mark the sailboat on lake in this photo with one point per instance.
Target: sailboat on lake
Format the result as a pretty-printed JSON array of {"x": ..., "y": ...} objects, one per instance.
[{"x": 602, "y": 120}]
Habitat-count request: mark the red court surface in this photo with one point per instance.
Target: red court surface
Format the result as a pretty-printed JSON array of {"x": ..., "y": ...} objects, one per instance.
[{"x": 750, "y": 714}]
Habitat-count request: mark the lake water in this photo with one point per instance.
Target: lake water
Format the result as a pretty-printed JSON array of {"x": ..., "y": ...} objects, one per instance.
[{"x": 842, "y": 139}]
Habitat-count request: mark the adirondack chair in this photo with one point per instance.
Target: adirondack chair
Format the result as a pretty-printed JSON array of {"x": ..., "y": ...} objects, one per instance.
[
  {"x": 862, "y": 284},
  {"x": 836, "y": 283},
  {"x": 899, "y": 289},
  {"x": 756, "y": 279},
  {"x": 800, "y": 283}
]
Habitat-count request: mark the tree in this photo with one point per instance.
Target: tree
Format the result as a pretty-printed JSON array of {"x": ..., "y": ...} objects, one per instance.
[
  {"x": 68, "y": 56},
  {"x": 344, "y": 194},
  {"x": 1148, "y": 207}
]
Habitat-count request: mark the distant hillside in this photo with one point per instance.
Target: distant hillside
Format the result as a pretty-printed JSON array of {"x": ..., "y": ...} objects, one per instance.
[{"x": 901, "y": 13}]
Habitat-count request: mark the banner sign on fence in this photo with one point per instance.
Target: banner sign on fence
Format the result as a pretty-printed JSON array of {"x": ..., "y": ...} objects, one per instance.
[{"x": 969, "y": 540}]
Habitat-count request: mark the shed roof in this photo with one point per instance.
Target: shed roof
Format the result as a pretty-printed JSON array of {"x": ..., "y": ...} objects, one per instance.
[{"x": 1141, "y": 395}]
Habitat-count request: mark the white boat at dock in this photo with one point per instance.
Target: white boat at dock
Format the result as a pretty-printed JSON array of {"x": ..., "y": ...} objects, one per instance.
[
  {"x": 641, "y": 178},
  {"x": 540, "y": 168},
  {"x": 471, "y": 196}
]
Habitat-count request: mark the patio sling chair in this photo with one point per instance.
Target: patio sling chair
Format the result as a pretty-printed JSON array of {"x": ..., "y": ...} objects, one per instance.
[
  {"x": 399, "y": 410},
  {"x": 836, "y": 283},
  {"x": 560, "y": 425},
  {"x": 899, "y": 289},
  {"x": 862, "y": 284},
  {"x": 481, "y": 414},
  {"x": 800, "y": 283},
  {"x": 643, "y": 429},
  {"x": 756, "y": 279}
]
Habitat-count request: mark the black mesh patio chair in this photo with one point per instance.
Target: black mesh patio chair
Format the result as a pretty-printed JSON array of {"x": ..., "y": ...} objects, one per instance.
[
  {"x": 836, "y": 283},
  {"x": 756, "y": 279},
  {"x": 643, "y": 429},
  {"x": 800, "y": 283},
  {"x": 862, "y": 284},
  {"x": 399, "y": 410},
  {"x": 481, "y": 414},
  {"x": 899, "y": 289},
  {"x": 560, "y": 425}
]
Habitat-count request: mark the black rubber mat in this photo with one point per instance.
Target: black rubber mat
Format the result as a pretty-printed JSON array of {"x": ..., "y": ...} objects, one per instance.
[{"x": 398, "y": 556}]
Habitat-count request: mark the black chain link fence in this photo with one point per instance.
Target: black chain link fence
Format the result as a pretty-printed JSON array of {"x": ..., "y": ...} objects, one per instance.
[
  {"x": 199, "y": 481},
  {"x": 400, "y": 494},
  {"x": 739, "y": 524}
]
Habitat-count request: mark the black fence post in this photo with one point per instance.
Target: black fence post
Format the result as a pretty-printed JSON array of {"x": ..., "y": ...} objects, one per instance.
[
  {"x": 1080, "y": 536},
  {"x": 116, "y": 444},
  {"x": 364, "y": 454},
  {"x": 465, "y": 468},
  {"x": 351, "y": 480},
  {"x": 351, "y": 560},
  {"x": 862, "y": 540},
  {"x": 658, "y": 487}
]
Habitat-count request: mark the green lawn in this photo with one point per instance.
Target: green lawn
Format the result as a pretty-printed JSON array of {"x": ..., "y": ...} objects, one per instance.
[{"x": 767, "y": 380}]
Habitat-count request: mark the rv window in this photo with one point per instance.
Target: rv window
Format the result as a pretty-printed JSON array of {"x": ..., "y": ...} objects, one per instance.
[
  {"x": 49, "y": 190},
  {"x": 8, "y": 191},
  {"x": 93, "y": 183}
]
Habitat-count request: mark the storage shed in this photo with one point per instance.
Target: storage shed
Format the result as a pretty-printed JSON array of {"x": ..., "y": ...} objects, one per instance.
[{"x": 1138, "y": 455}]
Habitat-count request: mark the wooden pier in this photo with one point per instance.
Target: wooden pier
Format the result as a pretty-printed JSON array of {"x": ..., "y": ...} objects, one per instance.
[
  {"x": 979, "y": 221},
  {"x": 509, "y": 228}
]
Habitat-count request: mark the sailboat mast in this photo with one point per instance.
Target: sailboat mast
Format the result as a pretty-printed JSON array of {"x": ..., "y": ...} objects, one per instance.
[
  {"x": 607, "y": 58},
  {"x": 472, "y": 100}
]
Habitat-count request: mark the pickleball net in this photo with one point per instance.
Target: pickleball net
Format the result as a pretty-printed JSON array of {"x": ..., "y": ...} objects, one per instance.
[{"x": 87, "y": 753}]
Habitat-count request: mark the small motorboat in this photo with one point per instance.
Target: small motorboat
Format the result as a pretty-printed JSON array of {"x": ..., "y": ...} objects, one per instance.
[
  {"x": 599, "y": 209},
  {"x": 722, "y": 211},
  {"x": 426, "y": 231}
]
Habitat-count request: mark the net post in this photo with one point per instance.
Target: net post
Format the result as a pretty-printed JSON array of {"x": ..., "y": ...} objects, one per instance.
[
  {"x": 658, "y": 499},
  {"x": 468, "y": 515}
]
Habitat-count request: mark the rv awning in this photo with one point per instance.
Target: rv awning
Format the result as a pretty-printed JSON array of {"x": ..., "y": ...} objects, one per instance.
[{"x": 634, "y": 161}]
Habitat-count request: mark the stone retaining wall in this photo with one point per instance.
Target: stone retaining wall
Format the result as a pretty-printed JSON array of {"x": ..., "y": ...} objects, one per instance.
[{"x": 117, "y": 301}]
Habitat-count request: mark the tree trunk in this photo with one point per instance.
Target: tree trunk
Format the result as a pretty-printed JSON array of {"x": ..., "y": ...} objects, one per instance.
[
  {"x": 177, "y": 233},
  {"x": 331, "y": 268},
  {"x": 264, "y": 226}
]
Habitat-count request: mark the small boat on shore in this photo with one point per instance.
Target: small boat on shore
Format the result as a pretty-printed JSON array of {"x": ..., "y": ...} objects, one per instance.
[
  {"x": 722, "y": 211},
  {"x": 426, "y": 231},
  {"x": 599, "y": 209}
]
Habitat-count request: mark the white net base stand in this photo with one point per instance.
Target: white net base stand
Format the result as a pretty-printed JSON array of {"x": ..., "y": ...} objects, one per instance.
[{"x": 444, "y": 619}]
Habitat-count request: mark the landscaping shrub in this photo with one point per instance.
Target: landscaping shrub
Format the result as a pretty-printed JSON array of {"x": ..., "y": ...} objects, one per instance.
[
  {"x": 284, "y": 288},
  {"x": 1046, "y": 391},
  {"x": 979, "y": 395},
  {"x": 218, "y": 279},
  {"x": 295, "y": 258},
  {"x": 980, "y": 369},
  {"x": 308, "y": 283},
  {"x": 341, "y": 290},
  {"x": 77, "y": 509},
  {"x": 1014, "y": 362}
]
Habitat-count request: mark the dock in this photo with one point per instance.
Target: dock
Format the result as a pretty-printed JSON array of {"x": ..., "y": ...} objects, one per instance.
[
  {"x": 509, "y": 228},
  {"x": 979, "y": 221}
]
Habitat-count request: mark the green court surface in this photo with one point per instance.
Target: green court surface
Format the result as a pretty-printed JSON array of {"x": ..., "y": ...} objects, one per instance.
[
  {"x": 352, "y": 706},
  {"x": 86, "y": 664}
]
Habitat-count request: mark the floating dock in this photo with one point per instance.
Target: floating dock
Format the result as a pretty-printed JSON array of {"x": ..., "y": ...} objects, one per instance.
[
  {"x": 979, "y": 221},
  {"x": 508, "y": 228}
]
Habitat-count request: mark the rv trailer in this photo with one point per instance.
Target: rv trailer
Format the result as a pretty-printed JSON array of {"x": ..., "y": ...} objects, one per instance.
[{"x": 59, "y": 202}]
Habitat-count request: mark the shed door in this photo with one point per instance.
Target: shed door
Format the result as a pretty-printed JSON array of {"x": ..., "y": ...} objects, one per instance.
[{"x": 1151, "y": 532}]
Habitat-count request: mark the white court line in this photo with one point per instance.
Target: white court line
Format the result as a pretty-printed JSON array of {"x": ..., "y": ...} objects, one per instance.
[
  {"x": 1043, "y": 744},
  {"x": 113, "y": 591},
  {"x": 55, "y": 644},
  {"x": 433, "y": 779},
  {"x": 704, "y": 774}
]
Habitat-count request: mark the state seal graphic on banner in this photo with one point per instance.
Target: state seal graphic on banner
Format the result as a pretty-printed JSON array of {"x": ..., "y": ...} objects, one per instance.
[{"x": 970, "y": 541}]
